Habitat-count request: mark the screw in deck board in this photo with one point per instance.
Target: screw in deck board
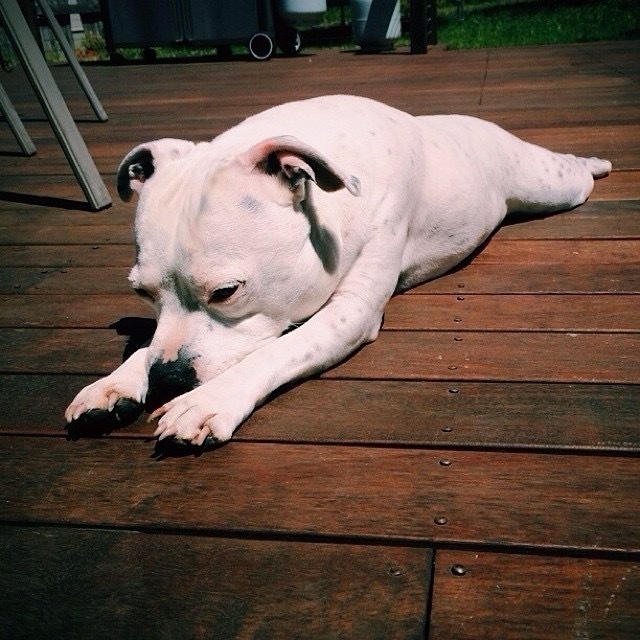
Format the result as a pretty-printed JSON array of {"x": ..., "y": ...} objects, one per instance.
[{"x": 395, "y": 571}]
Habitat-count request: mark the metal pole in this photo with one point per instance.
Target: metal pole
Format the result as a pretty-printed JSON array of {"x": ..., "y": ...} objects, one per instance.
[{"x": 54, "y": 105}]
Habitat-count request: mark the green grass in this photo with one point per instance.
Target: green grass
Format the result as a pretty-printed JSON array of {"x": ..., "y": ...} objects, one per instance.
[{"x": 513, "y": 23}]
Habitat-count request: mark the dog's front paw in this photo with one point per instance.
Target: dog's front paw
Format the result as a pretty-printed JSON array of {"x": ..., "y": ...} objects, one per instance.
[
  {"x": 202, "y": 415},
  {"x": 112, "y": 399}
]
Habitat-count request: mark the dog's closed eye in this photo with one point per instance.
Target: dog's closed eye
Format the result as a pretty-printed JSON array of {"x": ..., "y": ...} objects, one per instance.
[{"x": 224, "y": 293}]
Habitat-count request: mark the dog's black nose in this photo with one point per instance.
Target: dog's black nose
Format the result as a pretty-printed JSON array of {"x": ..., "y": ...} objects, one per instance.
[{"x": 168, "y": 380}]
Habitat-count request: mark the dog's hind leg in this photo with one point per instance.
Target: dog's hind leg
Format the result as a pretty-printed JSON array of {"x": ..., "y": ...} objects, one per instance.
[{"x": 542, "y": 180}]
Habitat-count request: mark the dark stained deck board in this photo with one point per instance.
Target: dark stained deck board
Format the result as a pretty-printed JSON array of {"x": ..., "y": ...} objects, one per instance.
[
  {"x": 613, "y": 141},
  {"x": 501, "y": 251},
  {"x": 395, "y": 355},
  {"x": 59, "y": 310},
  {"x": 486, "y": 279},
  {"x": 557, "y": 598},
  {"x": 410, "y": 80},
  {"x": 533, "y": 279},
  {"x": 594, "y": 219},
  {"x": 528, "y": 500},
  {"x": 339, "y": 590},
  {"x": 440, "y": 84},
  {"x": 426, "y": 312},
  {"x": 504, "y": 252},
  {"x": 620, "y": 185},
  {"x": 462, "y": 415},
  {"x": 530, "y": 357},
  {"x": 557, "y": 313},
  {"x": 595, "y": 234},
  {"x": 509, "y": 252},
  {"x": 323, "y": 508}
]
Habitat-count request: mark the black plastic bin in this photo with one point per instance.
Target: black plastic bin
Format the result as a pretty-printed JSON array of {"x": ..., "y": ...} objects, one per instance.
[{"x": 218, "y": 23}]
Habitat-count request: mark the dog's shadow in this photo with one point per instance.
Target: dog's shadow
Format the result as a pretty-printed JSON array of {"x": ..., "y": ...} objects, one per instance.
[
  {"x": 138, "y": 331},
  {"x": 511, "y": 219},
  {"x": 172, "y": 448}
]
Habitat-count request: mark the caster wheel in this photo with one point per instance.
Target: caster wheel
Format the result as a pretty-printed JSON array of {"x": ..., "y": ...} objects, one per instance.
[
  {"x": 261, "y": 46},
  {"x": 289, "y": 42}
]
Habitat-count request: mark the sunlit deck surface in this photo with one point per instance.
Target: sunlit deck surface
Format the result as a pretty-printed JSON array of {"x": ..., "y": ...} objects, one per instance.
[{"x": 472, "y": 474}]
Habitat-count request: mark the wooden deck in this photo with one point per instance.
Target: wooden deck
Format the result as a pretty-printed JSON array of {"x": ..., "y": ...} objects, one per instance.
[{"x": 472, "y": 474}]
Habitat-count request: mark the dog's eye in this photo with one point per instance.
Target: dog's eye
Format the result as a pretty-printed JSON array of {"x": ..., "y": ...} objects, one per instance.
[{"x": 221, "y": 294}]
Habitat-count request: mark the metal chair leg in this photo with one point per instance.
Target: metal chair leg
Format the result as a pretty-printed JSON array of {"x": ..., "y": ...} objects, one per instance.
[
  {"x": 73, "y": 61},
  {"x": 15, "y": 124},
  {"x": 54, "y": 105}
]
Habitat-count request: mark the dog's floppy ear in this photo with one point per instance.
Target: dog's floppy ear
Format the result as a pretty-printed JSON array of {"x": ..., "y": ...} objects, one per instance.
[
  {"x": 296, "y": 162},
  {"x": 142, "y": 161}
]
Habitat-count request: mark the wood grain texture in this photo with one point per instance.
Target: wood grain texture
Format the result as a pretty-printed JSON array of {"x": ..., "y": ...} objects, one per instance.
[
  {"x": 593, "y": 219},
  {"x": 59, "y": 310},
  {"x": 530, "y": 357},
  {"x": 529, "y": 278},
  {"x": 498, "y": 431},
  {"x": 493, "y": 596},
  {"x": 500, "y": 251},
  {"x": 436, "y": 414},
  {"x": 365, "y": 493},
  {"x": 535, "y": 278},
  {"x": 556, "y": 313},
  {"x": 70, "y": 583},
  {"x": 395, "y": 355},
  {"x": 34, "y": 226}
]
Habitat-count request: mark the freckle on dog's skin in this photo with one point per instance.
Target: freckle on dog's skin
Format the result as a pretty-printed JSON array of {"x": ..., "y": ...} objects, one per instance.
[{"x": 300, "y": 218}]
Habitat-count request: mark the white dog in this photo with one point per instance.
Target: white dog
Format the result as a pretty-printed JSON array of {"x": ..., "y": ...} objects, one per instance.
[{"x": 308, "y": 216}]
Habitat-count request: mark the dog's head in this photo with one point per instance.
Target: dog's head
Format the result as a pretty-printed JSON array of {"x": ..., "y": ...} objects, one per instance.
[{"x": 231, "y": 251}]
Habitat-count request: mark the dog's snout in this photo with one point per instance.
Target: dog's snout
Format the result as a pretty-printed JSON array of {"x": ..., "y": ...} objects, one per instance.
[{"x": 168, "y": 380}]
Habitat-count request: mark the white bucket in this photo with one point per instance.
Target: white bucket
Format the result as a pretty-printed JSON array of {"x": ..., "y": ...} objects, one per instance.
[
  {"x": 360, "y": 14},
  {"x": 302, "y": 12}
]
